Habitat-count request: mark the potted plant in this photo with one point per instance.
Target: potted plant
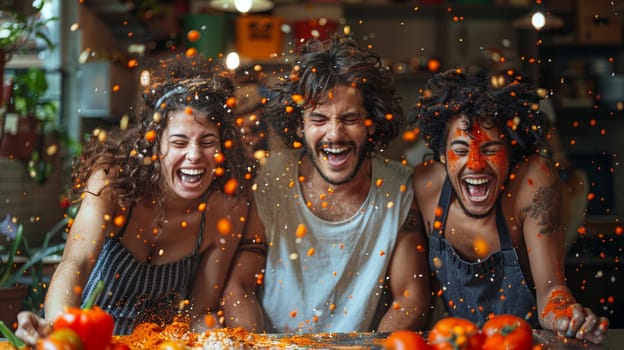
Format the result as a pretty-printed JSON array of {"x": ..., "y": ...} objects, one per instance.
[
  {"x": 21, "y": 21},
  {"x": 20, "y": 262}
]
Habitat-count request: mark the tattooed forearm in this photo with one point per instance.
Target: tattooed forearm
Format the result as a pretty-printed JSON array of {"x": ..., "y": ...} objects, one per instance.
[
  {"x": 412, "y": 222},
  {"x": 545, "y": 208}
]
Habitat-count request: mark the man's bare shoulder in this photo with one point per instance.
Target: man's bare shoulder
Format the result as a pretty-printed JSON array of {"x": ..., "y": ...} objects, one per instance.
[{"x": 428, "y": 178}]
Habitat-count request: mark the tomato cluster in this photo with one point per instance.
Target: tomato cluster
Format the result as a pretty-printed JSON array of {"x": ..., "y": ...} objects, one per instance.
[{"x": 500, "y": 332}]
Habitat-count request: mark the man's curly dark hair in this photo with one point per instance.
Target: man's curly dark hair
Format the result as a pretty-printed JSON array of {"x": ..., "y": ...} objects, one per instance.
[
  {"x": 322, "y": 66},
  {"x": 132, "y": 159},
  {"x": 511, "y": 107}
]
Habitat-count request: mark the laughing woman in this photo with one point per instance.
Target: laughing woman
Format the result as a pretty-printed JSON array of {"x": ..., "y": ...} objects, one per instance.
[{"x": 163, "y": 209}]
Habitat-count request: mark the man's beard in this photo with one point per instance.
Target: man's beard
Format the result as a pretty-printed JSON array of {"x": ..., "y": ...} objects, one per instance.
[{"x": 363, "y": 152}]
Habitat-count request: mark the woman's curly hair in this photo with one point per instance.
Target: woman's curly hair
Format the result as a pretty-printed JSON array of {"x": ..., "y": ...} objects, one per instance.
[
  {"x": 131, "y": 156},
  {"x": 322, "y": 66},
  {"x": 512, "y": 108}
]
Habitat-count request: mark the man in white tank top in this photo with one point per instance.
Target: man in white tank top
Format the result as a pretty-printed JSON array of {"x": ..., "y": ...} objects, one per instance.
[{"x": 342, "y": 253}]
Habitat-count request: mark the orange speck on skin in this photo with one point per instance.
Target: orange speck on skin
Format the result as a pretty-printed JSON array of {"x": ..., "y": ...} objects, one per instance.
[
  {"x": 116, "y": 88},
  {"x": 301, "y": 230},
  {"x": 183, "y": 224},
  {"x": 224, "y": 226},
  {"x": 188, "y": 110},
  {"x": 259, "y": 279},
  {"x": 396, "y": 306},
  {"x": 230, "y": 186},
  {"x": 530, "y": 182},
  {"x": 119, "y": 220},
  {"x": 77, "y": 290},
  {"x": 420, "y": 248}
]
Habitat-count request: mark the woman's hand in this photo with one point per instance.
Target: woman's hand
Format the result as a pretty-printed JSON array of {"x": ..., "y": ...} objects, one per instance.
[{"x": 31, "y": 327}]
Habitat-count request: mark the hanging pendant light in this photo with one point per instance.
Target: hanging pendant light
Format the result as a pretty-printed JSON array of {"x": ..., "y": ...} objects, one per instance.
[{"x": 242, "y": 6}]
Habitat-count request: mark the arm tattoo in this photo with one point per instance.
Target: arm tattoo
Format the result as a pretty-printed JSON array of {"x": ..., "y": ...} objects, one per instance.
[
  {"x": 412, "y": 222},
  {"x": 545, "y": 209}
]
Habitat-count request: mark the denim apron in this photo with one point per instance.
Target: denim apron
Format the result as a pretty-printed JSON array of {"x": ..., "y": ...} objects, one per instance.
[{"x": 476, "y": 290}]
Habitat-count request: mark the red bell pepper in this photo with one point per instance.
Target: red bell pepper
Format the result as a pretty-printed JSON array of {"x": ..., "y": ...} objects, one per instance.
[{"x": 93, "y": 325}]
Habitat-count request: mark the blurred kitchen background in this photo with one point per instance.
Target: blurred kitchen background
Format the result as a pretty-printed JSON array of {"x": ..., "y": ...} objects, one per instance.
[{"x": 86, "y": 77}]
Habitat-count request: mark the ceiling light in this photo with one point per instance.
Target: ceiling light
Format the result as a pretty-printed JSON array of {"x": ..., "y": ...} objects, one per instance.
[{"x": 242, "y": 6}]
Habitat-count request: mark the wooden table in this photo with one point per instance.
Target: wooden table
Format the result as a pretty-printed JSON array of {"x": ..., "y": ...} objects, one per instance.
[{"x": 353, "y": 341}]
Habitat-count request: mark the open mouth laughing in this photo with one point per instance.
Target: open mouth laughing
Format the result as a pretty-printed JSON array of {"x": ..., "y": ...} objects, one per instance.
[
  {"x": 191, "y": 175},
  {"x": 477, "y": 188}
]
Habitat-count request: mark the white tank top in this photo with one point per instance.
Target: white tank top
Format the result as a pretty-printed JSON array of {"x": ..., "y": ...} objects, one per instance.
[{"x": 339, "y": 287}]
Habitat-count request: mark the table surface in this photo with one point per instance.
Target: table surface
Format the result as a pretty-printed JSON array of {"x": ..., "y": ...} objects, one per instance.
[{"x": 548, "y": 340}]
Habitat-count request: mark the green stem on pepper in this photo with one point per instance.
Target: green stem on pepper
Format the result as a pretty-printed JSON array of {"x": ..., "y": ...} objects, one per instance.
[
  {"x": 99, "y": 287},
  {"x": 15, "y": 341}
]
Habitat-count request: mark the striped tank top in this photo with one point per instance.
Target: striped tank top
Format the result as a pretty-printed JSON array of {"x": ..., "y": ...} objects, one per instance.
[{"x": 136, "y": 292}]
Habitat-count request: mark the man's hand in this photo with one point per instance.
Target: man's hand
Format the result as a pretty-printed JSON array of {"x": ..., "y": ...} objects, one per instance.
[
  {"x": 31, "y": 327},
  {"x": 568, "y": 318}
]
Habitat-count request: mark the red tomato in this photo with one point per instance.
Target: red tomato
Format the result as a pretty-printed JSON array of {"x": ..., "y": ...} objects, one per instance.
[
  {"x": 62, "y": 339},
  {"x": 454, "y": 333},
  {"x": 94, "y": 325},
  {"x": 405, "y": 340},
  {"x": 507, "y": 332}
]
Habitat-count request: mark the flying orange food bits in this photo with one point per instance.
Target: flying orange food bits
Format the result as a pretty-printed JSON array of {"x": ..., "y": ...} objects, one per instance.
[
  {"x": 230, "y": 186},
  {"x": 119, "y": 220},
  {"x": 228, "y": 144},
  {"x": 310, "y": 252},
  {"x": 410, "y": 135},
  {"x": 297, "y": 144},
  {"x": 184, "y": 224},
  {"x": 591, "y": 196},
  {"x": 193, "y": 35},
  {"x": 293, "y": 313},
  {"x": 379, "y": 182},
  {"x": 481, "y": 248},
  {"x": 132, "y": 63},
  {"x": 618, "y": 230},
  {"x": 77, "y": 290},
  {"x": 231, "y": 102},
  {"x": 188, "y": 110},
  {"x": 191, "y": 52},
  {"x": 382, "y": 253},
  {"x": 298, "y": 99},
  {"x": 210, "y": 321},
  {"x": 368, "y": 122},
  {"x": 116, "y": 88},
  {"x": 150, "y": 136},
  {"x": 437, "y": 224},
  {"x": 259, "y": 279},
  {"x": 301, "y": 230},
  {"x": 439, "y": 211},
  {"x": 219, "y": 157},
  {"x": 396, "y": 306},
  {"x": 224, "y": 226},
  {"x": 219, "y": 171},
  {"x": 289, "y": 109}
]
